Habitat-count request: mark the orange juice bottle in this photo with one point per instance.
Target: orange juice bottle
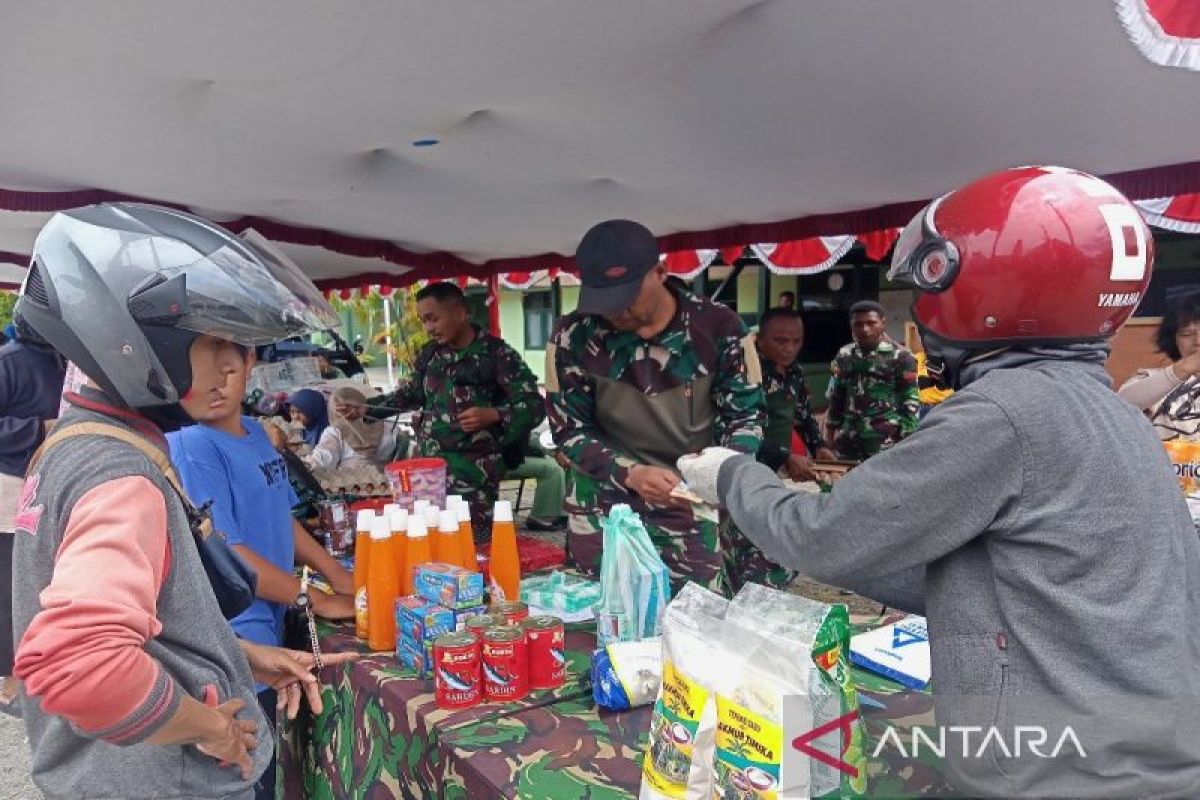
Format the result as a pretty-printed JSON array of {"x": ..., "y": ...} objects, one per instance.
[
  {"x": 445, "y": 544},
  {"x": 399, "y": 525},
  {"x": 383, "y": 588},
  {"x": 419, "y": 549},
  {"x": 362, "y": 554},
  {"x": 433, "y": 515},
  {"x": 466, "y": 536},
  {"x": 505, "y": 562}
]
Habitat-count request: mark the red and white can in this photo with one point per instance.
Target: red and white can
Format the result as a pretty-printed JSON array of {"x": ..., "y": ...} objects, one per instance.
[
  {"x": 547, "y": 652},
  {"x": 513, "y": 612},
  {"x": 505, "y": 663},
  {"x": 481, "y": 622},
  {"x": 457, "y": 670}
]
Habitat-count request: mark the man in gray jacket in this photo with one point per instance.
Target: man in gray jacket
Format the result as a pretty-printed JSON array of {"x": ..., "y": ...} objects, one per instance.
[{"x": 1033, "y": 517}]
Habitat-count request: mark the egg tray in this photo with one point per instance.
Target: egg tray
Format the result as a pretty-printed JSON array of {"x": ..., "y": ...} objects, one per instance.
[{"x": 363, "y": 481}]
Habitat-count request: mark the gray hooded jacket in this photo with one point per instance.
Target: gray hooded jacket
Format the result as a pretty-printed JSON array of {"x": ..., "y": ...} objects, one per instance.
[{"x": 1035, "y": 519}]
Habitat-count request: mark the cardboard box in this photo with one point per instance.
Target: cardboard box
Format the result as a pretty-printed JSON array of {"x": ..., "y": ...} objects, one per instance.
[
  {"x": 449, "y": 586},
  {"x": 419, "y": 620}
]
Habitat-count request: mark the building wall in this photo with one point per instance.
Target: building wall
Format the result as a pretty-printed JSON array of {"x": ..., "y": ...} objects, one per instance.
[{"x": 512, "y": 324}]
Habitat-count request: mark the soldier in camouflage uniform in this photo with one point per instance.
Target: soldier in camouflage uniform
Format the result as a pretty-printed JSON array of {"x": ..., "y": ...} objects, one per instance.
[
  {"x": 779, "y": 340},
  {"x": 642, "y": 373},
  {"x": 477, "y": 397},
  {"x": 873, "y": 401}
]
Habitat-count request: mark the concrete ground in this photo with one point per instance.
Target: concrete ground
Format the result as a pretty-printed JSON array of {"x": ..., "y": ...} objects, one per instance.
[{"x": 14, "y": 761}]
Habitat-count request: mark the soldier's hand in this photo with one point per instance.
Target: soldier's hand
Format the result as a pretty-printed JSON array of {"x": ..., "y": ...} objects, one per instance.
[
  {"x": 800, "y": 468},
  {"x": 829, "y": 475},
  {"x": 824, "y": 454},
  {"x": 476, "y": 418},
  {"x": 654, "y": 484}
]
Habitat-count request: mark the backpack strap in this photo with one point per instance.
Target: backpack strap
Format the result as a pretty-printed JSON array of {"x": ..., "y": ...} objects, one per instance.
[{"x": 200, "y": 520}]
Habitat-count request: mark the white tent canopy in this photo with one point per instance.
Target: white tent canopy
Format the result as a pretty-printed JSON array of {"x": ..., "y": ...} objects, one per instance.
[{"x": 714, "y": 122}]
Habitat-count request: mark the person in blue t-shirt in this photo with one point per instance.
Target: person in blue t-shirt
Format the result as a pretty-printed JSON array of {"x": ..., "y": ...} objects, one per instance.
[{"x": 227, "y": 460}]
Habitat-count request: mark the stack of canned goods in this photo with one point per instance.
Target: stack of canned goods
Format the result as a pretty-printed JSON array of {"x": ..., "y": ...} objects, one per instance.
[{"x": 499, "y": 656}]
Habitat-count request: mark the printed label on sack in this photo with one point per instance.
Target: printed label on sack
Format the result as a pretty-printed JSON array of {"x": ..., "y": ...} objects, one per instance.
[
  {"x": 673, "y": 732},
  {"x": 749, "y": 752}
]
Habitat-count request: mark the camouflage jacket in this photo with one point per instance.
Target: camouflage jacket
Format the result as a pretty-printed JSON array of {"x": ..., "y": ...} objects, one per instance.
[
  {"x": 705, "y": 343},
  {"x": 486, "y": 373},
  {"x": 873, "y": 400},
  {"x": 791, "y": 387}
]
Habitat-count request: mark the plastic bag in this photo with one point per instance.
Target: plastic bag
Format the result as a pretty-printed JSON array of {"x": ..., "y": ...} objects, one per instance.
[
  {"x": 788, "y": 647},
  {"x": 634, "y": 588},
  {"x": 627, "y": 675},
  {"x": 678, "y": 760},
  {"x": 560, "y": 593}
]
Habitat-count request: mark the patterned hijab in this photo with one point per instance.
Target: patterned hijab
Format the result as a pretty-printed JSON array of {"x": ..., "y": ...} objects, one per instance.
[{"x": 362, "y": 434}]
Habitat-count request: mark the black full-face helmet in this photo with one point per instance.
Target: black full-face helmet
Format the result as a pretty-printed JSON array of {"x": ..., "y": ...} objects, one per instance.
[{"x": 123, "y": 289}]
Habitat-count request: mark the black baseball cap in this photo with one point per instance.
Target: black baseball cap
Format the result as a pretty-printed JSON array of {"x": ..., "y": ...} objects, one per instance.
[{"x": 613, "y": 258}]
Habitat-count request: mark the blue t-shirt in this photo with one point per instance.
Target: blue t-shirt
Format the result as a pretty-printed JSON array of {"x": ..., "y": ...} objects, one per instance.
[{"x": 247, "y": 482}]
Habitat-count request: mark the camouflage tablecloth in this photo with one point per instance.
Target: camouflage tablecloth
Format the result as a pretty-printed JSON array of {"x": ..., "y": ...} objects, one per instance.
[
  {"x": 381, "y": 735},
  {"x": 574, "y": 750},
  {"x": 378, "y": 734}
]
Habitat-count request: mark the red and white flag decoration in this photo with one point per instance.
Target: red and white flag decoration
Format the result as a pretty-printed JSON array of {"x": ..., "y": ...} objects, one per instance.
[
  {"x": 524, "y": 280},
  {"x": 803, "y": 256},
  {"x": 1180, "y": 213},
  {"x": 1166, "y": 32},
  {"x": 687, "y": 264},
  {"x": 878, "y": 243}
]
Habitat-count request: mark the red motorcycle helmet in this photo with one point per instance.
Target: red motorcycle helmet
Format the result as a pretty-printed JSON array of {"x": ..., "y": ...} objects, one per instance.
[{"x": 1032, "y": 255}]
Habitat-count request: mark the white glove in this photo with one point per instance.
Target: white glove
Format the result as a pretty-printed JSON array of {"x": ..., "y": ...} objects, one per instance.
[{"x": 701, "y": 471}]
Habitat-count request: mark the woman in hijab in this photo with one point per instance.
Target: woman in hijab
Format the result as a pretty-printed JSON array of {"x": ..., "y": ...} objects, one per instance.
[
  {"x": 309, "y": 410},
  {"x": 352, "y": 440}
]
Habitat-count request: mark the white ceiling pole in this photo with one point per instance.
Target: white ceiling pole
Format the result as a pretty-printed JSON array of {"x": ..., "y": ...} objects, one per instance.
[{"x": 387, "y": 327}]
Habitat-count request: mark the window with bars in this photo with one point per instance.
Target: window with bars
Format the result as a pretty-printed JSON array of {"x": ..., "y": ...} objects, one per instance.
[{"x": 539, "y": 318}]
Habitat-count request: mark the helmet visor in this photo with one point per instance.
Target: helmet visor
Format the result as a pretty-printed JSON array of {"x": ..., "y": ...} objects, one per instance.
[
  {"x": 910, "y": 239},
  {"x": 922, "y": 258},
  {"x": 253, "y": 295}
]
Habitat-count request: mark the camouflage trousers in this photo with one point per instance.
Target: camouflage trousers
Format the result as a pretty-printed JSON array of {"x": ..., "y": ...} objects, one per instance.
[
  {"x": 695, "y": 543},
  {"x": 856, "y": 445},
  {"x": 475, "y": 475}
]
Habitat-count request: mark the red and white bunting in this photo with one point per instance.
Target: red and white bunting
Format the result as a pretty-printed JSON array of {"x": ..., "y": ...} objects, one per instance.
[
  {"x": 521, "y": 280},
  {"x": 878, "y": 243},
  {"x": 1167, "y": 32},
  {"x": 1180, "y": 213},
  {"x": 803, "y": 256},
  {"x": 687, "y": 264}
]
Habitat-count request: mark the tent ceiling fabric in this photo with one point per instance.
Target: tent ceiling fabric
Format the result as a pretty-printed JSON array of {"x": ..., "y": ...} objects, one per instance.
[{"x": 714, "y": 122}]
